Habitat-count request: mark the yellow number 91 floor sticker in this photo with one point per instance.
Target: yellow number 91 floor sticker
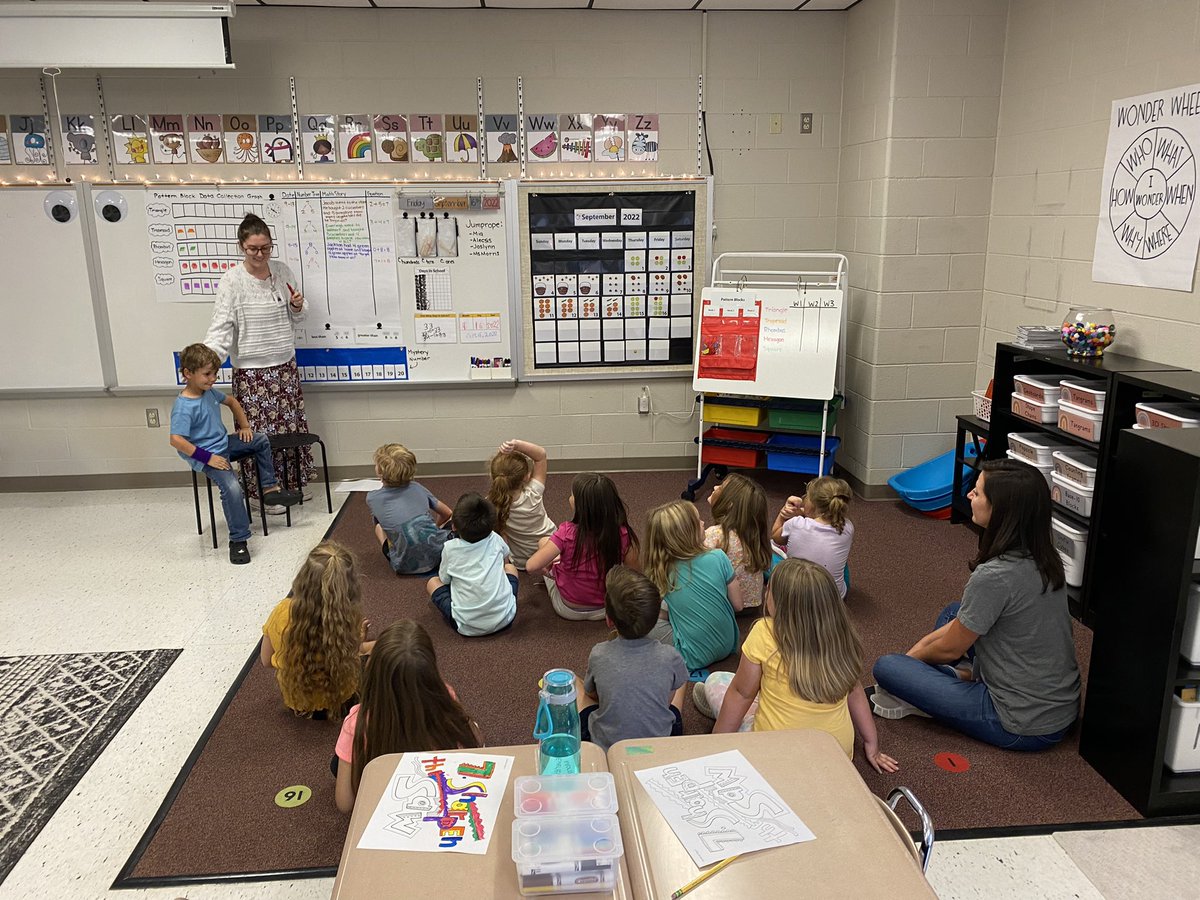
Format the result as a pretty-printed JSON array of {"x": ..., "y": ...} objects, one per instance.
[{"x": 296, "y": 795}]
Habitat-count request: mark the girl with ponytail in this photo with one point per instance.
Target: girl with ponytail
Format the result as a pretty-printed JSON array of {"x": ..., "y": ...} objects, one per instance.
[
  {"x": 815, "y": 527},
  {"x": 315, "y": 636},
  {"x": 518, "y": 473}
]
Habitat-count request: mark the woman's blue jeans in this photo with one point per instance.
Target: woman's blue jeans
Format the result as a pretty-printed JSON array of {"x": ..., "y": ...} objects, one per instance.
[{"x": 963, "y": 705}]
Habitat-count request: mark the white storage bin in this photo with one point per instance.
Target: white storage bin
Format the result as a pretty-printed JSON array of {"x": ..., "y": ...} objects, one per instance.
[
  {"x": 566, "y": 854},
  {"x": 1046, "y": 470},
  {"x": 1077, "y": 464},
  {"x": 1032, "y": 410},
  {"x": 1183, "y": 737},
  {"x": 1071, "y": 543},
  {"x": 1168, "y": 415},
  {"x": 1034, "y": 447},
  {"x": 1075, "y": 497},
  {"x": 1189, "y": 645},
  {"x": 1080, "y": 422},
  {"x": 1039, "y": 388},
  {"x": 1084, "y": 393}
]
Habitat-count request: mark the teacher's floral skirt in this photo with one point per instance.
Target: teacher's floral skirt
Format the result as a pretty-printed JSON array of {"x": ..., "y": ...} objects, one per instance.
[{"x": 274, "y": 404}]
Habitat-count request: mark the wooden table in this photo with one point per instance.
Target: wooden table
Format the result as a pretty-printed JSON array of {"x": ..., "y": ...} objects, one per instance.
[
  {"x": 371, "y": 874},
  {"x": 857, "y": 852}
]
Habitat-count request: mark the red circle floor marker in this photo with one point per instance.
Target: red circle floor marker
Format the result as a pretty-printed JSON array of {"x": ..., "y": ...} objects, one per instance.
[{"x": 951, "y": 762}]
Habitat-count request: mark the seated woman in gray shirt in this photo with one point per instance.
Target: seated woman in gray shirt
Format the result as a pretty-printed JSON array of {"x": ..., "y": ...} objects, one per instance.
[{"x": 999, "y": 666}]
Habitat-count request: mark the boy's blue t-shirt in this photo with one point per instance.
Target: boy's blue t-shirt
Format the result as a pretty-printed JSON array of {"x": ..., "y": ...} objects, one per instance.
[
  {"x": 199, "y": 420},
  {"x": 701, "y": 617},
  {"x": 415, "y": 541}
]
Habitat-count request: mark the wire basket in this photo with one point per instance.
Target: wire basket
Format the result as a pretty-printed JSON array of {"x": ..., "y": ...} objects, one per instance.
[{"x": 983, "y": 405}]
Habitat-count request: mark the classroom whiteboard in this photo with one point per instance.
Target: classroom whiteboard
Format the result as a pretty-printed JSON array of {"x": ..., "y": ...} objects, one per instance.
[
  {"x": 774, "y": 342},
  {"x": 49, "y": 332},
  {"x": 377, "y": 314}
]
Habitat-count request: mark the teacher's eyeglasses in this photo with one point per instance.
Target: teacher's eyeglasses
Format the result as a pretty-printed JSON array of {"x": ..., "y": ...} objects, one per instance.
[{"x": 260, "y": 251}]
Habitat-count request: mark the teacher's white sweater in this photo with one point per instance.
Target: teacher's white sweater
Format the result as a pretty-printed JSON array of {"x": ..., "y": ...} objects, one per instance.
[{"x": 253, "y": 323}]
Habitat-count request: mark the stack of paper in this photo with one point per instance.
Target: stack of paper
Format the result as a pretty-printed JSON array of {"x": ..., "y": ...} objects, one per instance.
[{"x": 1039, "y": 337}]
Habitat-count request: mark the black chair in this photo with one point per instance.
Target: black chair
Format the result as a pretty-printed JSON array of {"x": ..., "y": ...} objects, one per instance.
[
  {"x": 290, "y": 445},
  {"x": 240, "y": 462}
]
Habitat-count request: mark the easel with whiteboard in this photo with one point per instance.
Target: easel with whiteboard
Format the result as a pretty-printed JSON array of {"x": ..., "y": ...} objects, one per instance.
[{"x": 771, "y": 325}]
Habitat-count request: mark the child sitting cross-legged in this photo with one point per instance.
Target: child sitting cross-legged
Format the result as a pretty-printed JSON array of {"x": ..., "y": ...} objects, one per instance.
[
  {"x": 408, "y": 518},
  {"x": 475, "y": 588},
  {"x": 199, "y": 436},
  {"x": 634, "y": 682}
]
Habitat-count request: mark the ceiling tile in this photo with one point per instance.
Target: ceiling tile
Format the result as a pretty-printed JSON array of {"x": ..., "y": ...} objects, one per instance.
[
  {"x": 641, "y": 4},
  {"x": 430, "y": 4},
  {"x": 537, "y": 4},
  {"x": 749, "y": 4},
  {"x": 828, "y": 4}
]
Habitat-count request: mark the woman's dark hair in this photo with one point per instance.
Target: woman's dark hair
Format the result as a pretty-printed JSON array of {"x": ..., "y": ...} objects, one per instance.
[
  {"x": 599, "y": 517},
  {"x": 1020, "y": 522},
  {"x": 252, "y": 225}
]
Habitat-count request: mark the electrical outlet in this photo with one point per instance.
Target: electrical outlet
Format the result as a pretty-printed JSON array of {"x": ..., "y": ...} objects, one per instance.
[
  {"x": 151, "y": 417},
  {"x": 776, "y": 123},
  {"x": 806, "y": 123},
  {"x": 644, "y": 401}
]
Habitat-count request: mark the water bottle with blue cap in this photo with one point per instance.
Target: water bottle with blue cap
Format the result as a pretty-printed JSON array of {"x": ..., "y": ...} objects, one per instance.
[{"x": 557, "y": 724}]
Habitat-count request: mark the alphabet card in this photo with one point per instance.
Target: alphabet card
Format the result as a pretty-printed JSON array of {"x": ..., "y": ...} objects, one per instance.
[
  {"x": 354, "y": 138},
  {"x": 167, "y": 139},
  {"x": 276, "y": 134},
  {"x": 610, "y": 137},
  {"x": 317, "y": 137},
  {"x": 131, "y": 139},
  {"x": 391, "y": 137},
  {"x": 462, "y": 138},
  {"x": 205, "y": 138},
  {"x": 79, "y": 139},
  {"x": 241, "y": 138},
  {"x": 428, "y": 139},
  {"x": 501, "y": 138},
  {"x": 643, "y": 136},
  {"x": 30, "y": 140},
  {"x": 5, "y": 143},
  {"x": 440, "y": 802},
  {"x": 575, "y": 137},
  {"x": 541, "y": 137}
]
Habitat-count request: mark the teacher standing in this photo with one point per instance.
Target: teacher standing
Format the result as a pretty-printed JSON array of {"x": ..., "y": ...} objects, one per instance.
[
  {"x": 257, "y": 307},
  {"x": 999, "y": 666}
]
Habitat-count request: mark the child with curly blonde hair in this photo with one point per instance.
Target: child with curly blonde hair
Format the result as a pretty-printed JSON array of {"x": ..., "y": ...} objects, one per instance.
[{"x": 315, "y": 636}]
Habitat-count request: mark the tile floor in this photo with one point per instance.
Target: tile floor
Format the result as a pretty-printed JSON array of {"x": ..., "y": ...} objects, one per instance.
[{"x": 139, "y": 577}]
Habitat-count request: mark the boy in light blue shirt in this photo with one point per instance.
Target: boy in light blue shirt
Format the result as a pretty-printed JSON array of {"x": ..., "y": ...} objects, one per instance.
[
  {"x": 476, "y": 585},
  {"x": 199, "y": 436}
]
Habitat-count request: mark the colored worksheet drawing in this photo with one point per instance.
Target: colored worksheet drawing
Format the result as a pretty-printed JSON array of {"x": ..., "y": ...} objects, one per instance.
[
  {"x": 720, "y": 806},
  {"x": 440, "y": 802}
]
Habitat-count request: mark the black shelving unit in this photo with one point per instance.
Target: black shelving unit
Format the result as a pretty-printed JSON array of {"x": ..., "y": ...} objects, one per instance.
[
  {"x": 960, "y": 506},
  {"x": 1146, "y": 537},
  {"x": 1013, "y": 360}
]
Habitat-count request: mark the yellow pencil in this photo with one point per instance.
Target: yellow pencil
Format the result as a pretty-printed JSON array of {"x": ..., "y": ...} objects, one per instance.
[{"x": 701, "y": 878}]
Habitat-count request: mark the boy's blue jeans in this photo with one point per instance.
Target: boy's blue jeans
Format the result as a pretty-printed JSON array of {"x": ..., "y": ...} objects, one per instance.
[
  {"x": 233, "y": 500},
  {"x": 963, "y": 705}
]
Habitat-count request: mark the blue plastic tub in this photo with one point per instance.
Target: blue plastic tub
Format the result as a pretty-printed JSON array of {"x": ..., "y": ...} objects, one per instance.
[
  {"x": 800, "y": 452},
  {"x": 931, "y": 480}
]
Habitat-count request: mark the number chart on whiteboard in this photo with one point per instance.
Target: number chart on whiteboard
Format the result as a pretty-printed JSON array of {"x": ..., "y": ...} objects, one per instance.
[{"x": 775, "y": 342}]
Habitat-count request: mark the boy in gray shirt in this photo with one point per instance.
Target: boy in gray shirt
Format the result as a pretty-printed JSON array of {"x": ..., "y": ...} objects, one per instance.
[{"x": 634, "y": 683}]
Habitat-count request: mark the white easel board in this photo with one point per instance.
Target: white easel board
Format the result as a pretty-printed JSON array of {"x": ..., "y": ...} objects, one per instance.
[{"x": 777, "y": 342}]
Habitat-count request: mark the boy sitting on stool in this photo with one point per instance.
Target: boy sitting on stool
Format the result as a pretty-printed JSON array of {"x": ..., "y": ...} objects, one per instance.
[{"x": 199, "y": 435}]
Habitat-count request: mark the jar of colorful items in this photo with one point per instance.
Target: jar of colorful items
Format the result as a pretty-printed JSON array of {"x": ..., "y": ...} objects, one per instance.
[{"x": 1087, "y": 331}]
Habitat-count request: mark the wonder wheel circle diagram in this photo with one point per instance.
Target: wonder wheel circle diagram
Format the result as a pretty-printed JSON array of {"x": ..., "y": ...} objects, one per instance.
[{"x": 1152, "y": 192}]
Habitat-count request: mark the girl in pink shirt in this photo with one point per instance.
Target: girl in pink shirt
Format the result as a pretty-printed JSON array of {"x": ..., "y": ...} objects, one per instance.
[
  {"x": 815, "y": 527},
  {"x": 577, "y": 557}
]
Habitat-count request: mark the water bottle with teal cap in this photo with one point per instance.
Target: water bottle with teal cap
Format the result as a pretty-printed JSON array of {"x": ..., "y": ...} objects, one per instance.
[{"x": 557, "y": 724}]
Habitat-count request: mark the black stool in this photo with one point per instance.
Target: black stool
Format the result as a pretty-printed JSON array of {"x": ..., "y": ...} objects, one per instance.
[
  {"x": 240, "y": 462},
  {"x": 291, "y": 445}
]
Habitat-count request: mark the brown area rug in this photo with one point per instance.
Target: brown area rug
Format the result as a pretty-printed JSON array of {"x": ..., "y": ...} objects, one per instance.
[{"x": 221, "y": 820}]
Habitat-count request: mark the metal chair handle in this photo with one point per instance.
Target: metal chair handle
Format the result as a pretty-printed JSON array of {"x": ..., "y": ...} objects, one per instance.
[{"x": 925, "y": 848}]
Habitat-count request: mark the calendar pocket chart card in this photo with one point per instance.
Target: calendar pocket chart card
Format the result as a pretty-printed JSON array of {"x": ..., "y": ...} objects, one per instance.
[
  {"x": 610, "y": 276},
  {"x": 771, "y": 341}
]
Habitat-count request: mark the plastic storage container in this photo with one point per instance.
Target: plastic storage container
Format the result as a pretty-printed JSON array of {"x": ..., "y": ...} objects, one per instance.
[
  {"x": 1039, "y": 388},
  {"x": 1189, "y": 645},
  {"x": 566, "y": 854},
  {"x": 1080, "y": 422},
  {"x": 1033, "y": 411},
  {"x": 1034, "y": 447},
  {"x": 1046, "y": 469},
  {"x": 807, "y": 461},
  {"x": 738, "y": 457},
  {"x": 586, "y": 794},
  {"x": 1071, "y": 543},
  {"x": 721, "y": 414},
  {"x": 1075, "y": 497},
  {"x": 1168, "y": 415},
  {"x": 802, "y": 415},
  {"x": 1077, "y": 464},
  {"x": 1083, "y": 393},
  {"x": 1183, "y": 737}
]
